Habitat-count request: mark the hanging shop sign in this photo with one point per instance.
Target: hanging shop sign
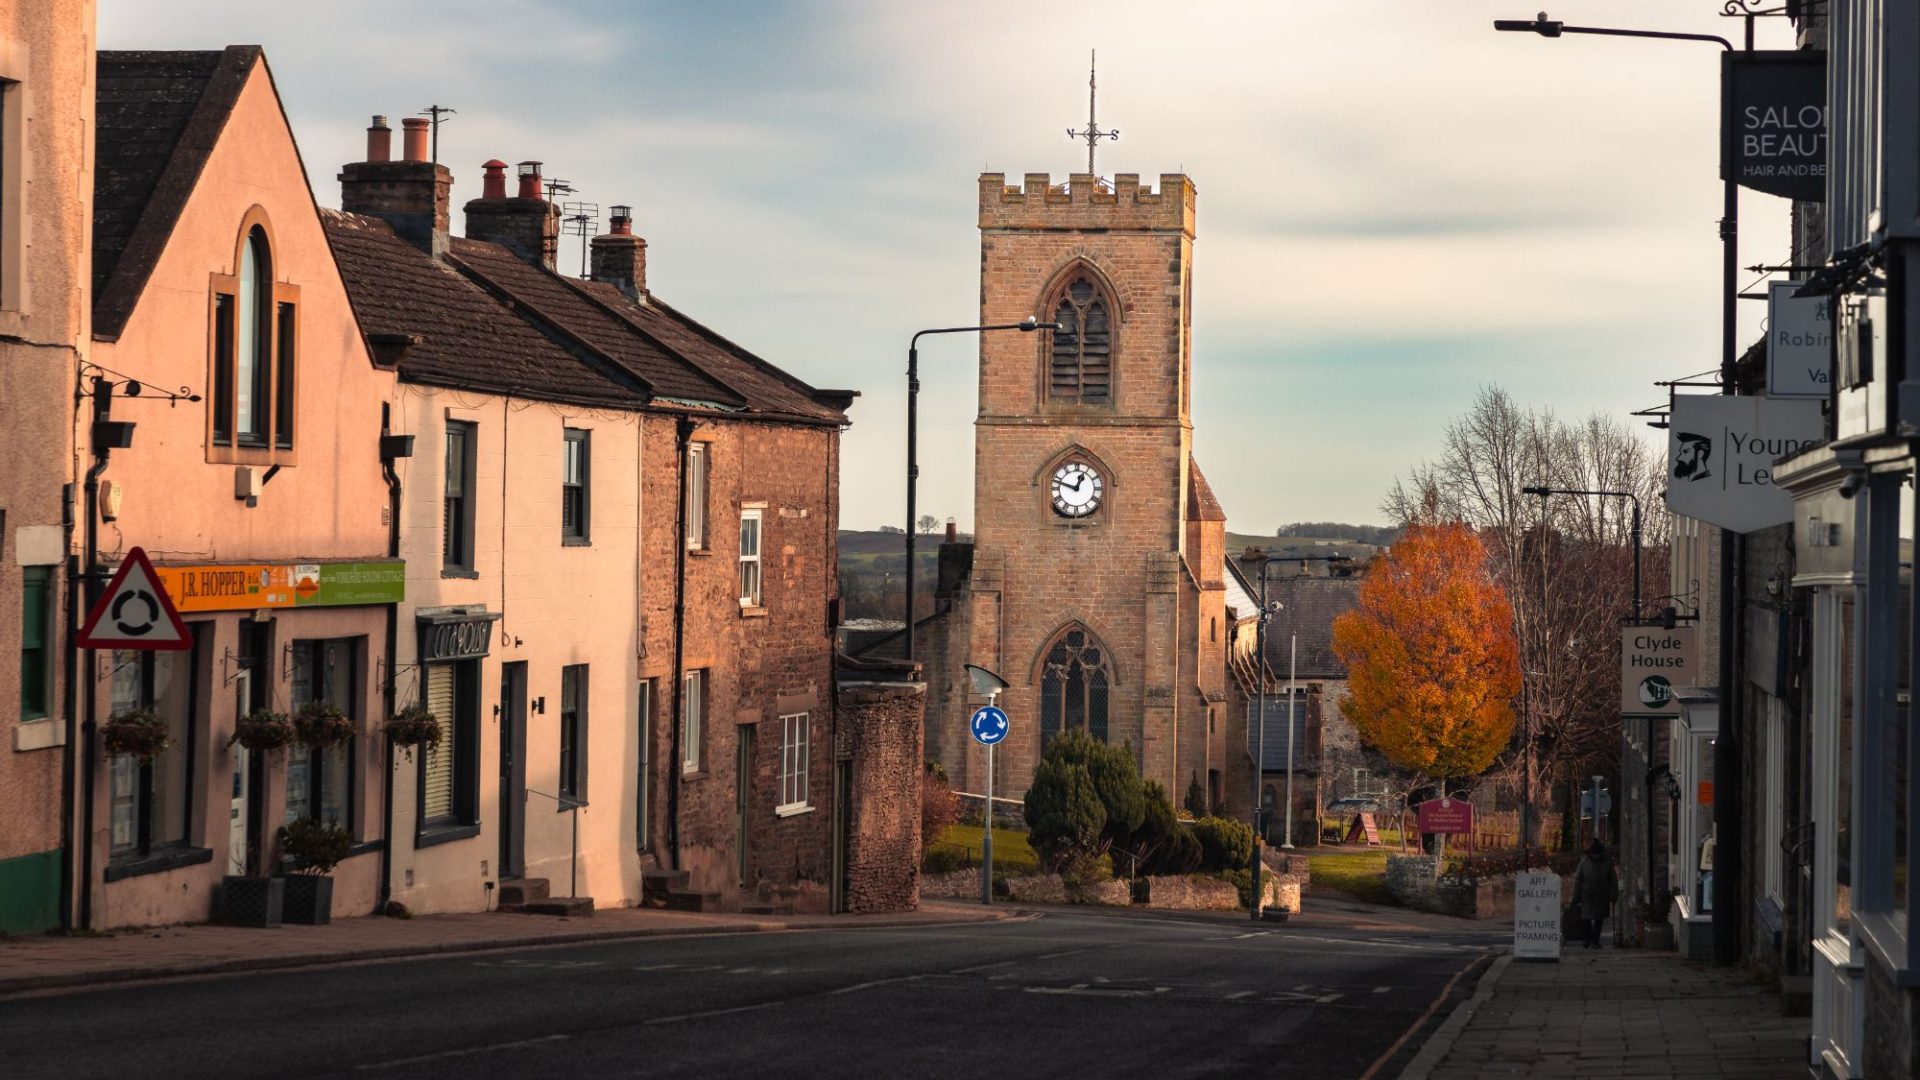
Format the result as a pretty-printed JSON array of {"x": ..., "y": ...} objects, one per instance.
[
  {"x": 449, "y": 636},
  {"x": 1799, "y": 343},
  {"x": 248, "y": 587},
  {"x": 1773, "y": 124},
  {"x": 1721, "y": 452},
  {"x": 227, "y": 587},
  {"x": 1654, "y": 663}
]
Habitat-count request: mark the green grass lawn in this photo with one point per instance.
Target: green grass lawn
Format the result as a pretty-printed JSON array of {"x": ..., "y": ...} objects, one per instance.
[
  {"x": 1011, "y": 852},
  {"x": 1357, "y": 870}
]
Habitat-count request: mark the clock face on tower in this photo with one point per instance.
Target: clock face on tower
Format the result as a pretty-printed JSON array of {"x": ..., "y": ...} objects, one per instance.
[{"x": 1076, "y": 490}]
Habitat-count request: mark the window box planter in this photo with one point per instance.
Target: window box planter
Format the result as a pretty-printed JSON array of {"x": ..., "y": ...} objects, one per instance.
[{"x": 251, "y": 901}]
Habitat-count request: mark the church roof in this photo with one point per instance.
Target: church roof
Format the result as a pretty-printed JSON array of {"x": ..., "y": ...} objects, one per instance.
[
  {"x": 1241, "y": 601},
  {"x": 157, "y": 116},
  {"x": 1201, "y": 504},
  {"x": 1309, "y": 605}
]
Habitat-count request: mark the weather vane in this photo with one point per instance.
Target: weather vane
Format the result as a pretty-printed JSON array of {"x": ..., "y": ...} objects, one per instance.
[{"x": 1093, "y": 134}]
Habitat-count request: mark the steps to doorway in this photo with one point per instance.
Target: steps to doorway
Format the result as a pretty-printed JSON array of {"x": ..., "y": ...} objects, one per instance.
[
  {"x": 529, "y": 896},
  {"x": 670, "y": 889}
]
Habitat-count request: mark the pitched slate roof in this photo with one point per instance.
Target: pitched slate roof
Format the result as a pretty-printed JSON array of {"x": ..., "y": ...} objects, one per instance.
[
  {"x": 467, "y": 338},
  {"x": 564, "y": 312},
  {"x": 768, "y": 389},
  {"x": 488, "y": 320},
  {"x": 1309, "y": 606},
  {"x": 157, "y": 117}
]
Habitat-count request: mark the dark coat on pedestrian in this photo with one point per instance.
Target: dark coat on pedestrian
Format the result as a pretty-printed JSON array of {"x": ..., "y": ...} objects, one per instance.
[{"x": 1595, "y": 886}]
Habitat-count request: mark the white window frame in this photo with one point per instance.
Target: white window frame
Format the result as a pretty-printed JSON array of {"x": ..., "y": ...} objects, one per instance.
[
  {"x": 693, "y": 720},
  {"x": 697, "y": 461},
  {"x": 752, "y": 581},
  {"x": 795, "y": 747}
]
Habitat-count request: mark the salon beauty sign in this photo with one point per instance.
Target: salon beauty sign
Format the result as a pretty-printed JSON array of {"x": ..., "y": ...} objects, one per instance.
[{"x": 1721, "y": 453}]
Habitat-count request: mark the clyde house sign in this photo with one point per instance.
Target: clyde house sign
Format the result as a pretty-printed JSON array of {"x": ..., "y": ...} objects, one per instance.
[
  {"x": 1773, "y": 124},
  {"x": 456, "y": 636}
]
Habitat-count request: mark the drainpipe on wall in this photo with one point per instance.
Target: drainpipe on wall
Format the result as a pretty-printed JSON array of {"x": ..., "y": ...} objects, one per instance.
[
  {"x": 70, "y": 720},
  {"x": 102, "y": 394},
  {"x": 682, "y": 436},
  {"x": 387, "y": 692}
]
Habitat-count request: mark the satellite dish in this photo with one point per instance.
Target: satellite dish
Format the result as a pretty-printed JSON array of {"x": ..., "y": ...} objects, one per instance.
[{"x": 985, "y": 682}]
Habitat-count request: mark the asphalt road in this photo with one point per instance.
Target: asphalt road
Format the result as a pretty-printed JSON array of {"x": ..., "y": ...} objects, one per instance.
[{"x": 1065, "y": 994}]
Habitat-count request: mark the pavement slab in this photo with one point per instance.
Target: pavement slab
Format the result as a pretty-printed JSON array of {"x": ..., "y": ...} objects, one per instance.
[{"x": 1614, "y": 1013}]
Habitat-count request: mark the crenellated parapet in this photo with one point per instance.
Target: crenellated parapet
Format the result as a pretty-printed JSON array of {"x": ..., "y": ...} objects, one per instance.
[{"x": 1083, "y": 203}]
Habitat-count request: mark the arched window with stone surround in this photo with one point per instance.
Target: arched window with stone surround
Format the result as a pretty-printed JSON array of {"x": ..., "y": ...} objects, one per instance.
[
  {"x": 1075, "y": 678},
  {"x": 1080, "y": 364}
]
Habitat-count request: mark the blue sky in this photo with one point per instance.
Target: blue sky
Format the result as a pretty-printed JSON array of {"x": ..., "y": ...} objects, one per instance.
[{"x": 1397, "y": 205}]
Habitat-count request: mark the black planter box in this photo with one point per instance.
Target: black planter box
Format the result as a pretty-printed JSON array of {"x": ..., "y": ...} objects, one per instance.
[
  {"x": 252, "y": 901},
  {"x": 309, "y": 899}
]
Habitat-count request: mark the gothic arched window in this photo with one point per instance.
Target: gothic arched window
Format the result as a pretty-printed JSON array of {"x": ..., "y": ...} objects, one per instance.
[
  {"x": 1080, "y": 367},
  {"x": 1073, "y": 687}
]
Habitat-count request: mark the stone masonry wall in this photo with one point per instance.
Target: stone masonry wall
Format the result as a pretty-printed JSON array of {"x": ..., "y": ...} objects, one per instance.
[{"x": 880, "y": 732}]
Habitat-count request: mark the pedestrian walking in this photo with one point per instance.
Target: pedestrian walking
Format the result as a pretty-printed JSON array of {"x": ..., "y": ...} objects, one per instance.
[{"x": 1594, "y": 889}]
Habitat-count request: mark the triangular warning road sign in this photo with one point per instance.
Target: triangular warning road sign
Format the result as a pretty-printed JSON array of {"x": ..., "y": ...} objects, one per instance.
[{"x": 135, "y": 612}]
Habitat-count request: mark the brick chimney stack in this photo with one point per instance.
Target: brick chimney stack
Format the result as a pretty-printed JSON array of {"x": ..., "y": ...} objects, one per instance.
[
  {"x": 412, "y": 195},
  {"x": 527, "y": 224},
  {"x": 619, "y": 257}
]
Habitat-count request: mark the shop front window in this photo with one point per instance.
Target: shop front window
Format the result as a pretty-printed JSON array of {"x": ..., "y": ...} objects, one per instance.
[
  {"x": 318, "y": 780},
  {"x": 148, "y": 800}
]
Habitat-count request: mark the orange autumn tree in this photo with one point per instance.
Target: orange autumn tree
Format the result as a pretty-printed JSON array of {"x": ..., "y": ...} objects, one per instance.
[{"x": 1432, "y": 666}]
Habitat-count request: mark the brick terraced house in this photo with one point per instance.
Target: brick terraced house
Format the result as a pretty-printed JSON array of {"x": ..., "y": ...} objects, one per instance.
[{"x": 620, "y": 533}]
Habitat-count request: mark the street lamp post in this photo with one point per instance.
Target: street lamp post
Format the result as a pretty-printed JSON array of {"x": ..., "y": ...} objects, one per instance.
[
  {"x": 1265, "y": 561},
  {"x": 1726, "y": 753},
  {"x": 1260, "y": 726},
  {"x": 913, "y": 422}
]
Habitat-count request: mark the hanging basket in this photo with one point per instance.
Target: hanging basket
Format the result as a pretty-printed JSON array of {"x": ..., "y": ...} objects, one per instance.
[
  {"x": 139, "y": 733},
  {"x": 263, "y": 729},
  {"x": 321, "y": 725},
  {"x": 414, "y": 726}
]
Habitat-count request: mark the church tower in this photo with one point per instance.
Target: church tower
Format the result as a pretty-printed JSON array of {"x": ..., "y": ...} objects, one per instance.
[{"x": 1095, "y": 579}]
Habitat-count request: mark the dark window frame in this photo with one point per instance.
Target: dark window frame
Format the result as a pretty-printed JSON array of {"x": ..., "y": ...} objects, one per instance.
[
  {"x": 144, "y": 845},
  {"x": 576, "y": 493},
  {"x": 574, "y": 683},
  {"x": 1076, "y": 664},
  {"x": 457, "y": 510},
  {"x": 463, "y": 820},
  {"x": 307, "y": 651},
  {"x": 276, "y": 338},
  {"x": 36, "y": 642},
  {"x": 1080, "y": 363}
]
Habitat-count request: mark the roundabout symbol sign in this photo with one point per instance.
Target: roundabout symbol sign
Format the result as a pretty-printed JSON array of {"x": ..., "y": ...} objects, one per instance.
[{"x": 989, "y": 725}]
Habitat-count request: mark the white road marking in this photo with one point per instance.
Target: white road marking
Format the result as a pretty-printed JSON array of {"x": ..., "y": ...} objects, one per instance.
[
  {"x": 465, "y": 1051},
  {"x": 1240, "y": 994}
]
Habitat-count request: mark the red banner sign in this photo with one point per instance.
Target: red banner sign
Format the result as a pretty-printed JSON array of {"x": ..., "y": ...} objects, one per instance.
[{"x": 1445, "y": 816}]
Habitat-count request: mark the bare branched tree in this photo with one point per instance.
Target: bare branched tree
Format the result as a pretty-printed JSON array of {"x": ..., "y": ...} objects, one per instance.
[{"x": 1565, "y": 560}]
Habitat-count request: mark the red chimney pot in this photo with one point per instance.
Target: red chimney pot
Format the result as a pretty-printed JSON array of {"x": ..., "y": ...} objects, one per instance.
[
  {"x": 493, "y": 182},
  {"x": 414, "y": 137},
  {"x": 529, "y": 180},
  {"x": 379, "y": 140}
]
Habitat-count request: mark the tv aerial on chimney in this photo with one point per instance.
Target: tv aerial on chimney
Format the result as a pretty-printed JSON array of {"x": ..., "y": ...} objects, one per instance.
[
  {"x": 438, "y": 113},
  {"x": 581, "y": 219}
]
